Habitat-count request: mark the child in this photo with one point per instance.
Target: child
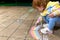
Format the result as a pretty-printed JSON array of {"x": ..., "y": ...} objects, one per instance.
[{"x": 50, "y": 13}]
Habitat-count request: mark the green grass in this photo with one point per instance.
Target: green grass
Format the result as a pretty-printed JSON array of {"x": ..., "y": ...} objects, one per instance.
[{"x": 16, "y": 4}]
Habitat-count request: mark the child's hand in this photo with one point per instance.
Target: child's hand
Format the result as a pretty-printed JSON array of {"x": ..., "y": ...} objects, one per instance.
[
  {"x": 36, "y": 23},
  {"x": 51, "y": 15}
]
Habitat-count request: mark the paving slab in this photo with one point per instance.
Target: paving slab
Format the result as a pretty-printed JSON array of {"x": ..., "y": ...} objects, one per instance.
[{"x": 15, "y": 23}]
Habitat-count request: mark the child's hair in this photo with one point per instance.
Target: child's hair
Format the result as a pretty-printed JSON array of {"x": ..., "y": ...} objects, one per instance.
[{"x": 38, "y": 3}]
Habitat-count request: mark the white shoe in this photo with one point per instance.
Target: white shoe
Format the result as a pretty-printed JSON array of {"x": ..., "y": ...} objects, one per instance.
[
  {"x": 46, "y": 31},
  {"x": 45, "y": 25}
]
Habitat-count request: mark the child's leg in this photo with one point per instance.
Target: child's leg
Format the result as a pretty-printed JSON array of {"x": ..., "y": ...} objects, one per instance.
[
  {"x": 52, "y": 22},
  {"x": 51, "y": 25}
]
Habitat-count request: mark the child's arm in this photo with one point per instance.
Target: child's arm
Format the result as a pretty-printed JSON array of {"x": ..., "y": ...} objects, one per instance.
[
  {"x": 38, "y": 20},
  {"x": 55, "y": 13}
]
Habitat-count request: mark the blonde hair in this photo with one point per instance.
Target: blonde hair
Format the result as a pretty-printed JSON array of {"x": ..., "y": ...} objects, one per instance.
[{"x": 37, "y": 3}]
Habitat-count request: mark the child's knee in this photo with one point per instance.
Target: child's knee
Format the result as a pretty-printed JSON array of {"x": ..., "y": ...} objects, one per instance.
[{"x": 53, "y": 19}]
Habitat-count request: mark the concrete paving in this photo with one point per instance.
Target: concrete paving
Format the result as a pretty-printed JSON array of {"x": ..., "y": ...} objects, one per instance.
[{"x": 15, "y": 22}]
